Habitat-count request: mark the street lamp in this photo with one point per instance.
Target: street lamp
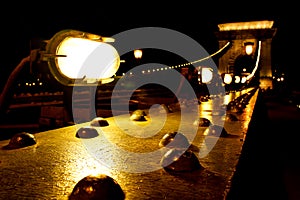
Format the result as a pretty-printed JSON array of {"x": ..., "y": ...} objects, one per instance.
[
  {"x": 227, "y": 78},
  {"x": 138, "y": 53},
  {"x": 76, "y": 57},
  {"x": 206, "y": 74},
  {"x": 249, "y": 47}
]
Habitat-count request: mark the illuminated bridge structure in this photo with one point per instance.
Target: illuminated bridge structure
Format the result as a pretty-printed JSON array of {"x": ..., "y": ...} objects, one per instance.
[
  {"x": 257, "y": 33},
  {"x": 49, "y": 164}
]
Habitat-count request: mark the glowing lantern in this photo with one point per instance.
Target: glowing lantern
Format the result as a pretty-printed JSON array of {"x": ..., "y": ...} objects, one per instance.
[
  {"x": 79, "y": 57},
  {"x": 249, "y": 47},
  {"x": 138, "y": 53},
  {"x": 227, "y": 78},
  {"x": 206, "y": 75}
]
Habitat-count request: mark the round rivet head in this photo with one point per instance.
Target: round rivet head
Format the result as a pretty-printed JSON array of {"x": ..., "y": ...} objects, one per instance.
[
  {"x": 231, "y": 105},
  {"x": 138, "y": 115},
  {"x": 86, "y": 132},
  {"x": 216, "y": 130},
  {"x": 202, "y": 122},
  {"x": 97, "y": 187},
  {"x": 20, "y": 140},
  {"x": 176, "y": 160},
  {"x": 231, "y": 117},
  {"x": 99, "y": 121},
  {"x": 174, "y": 140}
]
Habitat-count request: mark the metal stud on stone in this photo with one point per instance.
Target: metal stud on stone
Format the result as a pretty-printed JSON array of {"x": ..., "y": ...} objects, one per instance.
[
  {"x": 176, "y": 160},
  {"x": 231, "y": 105},
  {"x": 174, "y": 140},
  {"x": 99, "y": 121},
  {"x": 231, "y": 117},
  {"x": 19, "y": 140},
  {"x": 138, "y": 115},
  {"x": 97, "y": 187},
  {"x": 202, "y": 122},
  {"x": 216, "y": 130},
  {"x": 86, "y": 132}
]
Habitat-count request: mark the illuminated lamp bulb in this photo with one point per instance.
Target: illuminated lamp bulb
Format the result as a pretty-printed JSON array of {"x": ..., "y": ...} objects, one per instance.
[
  {"x": 244, "y": 79},
  {"x": 138, "y": 53},
  {"x": 174, "y": 140},
  {"x": 97, "y": 187},
  {"x": 177, "y": 160},
  {"x": 99, "y": 121},
  {"x": 227, "y": 79},
  {"x": 237, "y": 79},
  {"x": 86, "y": 132},
  {"x": 206, "y": 75},
  {"x": 80, "y": 57},
  {"x": 248, "y": 47},
  {"x": 20, "y": 140}
]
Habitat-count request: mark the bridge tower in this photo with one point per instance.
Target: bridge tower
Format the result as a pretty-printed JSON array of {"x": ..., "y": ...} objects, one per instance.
[{"x": 259, "y": 35}]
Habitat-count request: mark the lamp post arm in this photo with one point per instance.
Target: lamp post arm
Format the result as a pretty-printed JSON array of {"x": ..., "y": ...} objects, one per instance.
[{"x": 7, "y": 91}]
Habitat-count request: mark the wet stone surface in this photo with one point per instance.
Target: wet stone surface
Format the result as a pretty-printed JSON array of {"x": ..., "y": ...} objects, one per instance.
[{"x": 129, "y": 152}]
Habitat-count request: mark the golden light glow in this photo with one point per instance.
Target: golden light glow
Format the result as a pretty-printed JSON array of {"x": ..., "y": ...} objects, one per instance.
[
  {"x": 264, "y": 24},
  {"x": 227, "y": 78},
  {"x": 249, "y": 49},
  {"x": 89, "y": 189},
  {"x": 138, "y": 53},
  {"x": 244, "y": 79},
  {"x": 206, "y": 75},
  {"x": 87, "y": 58},
  {"x": 76, "y": 58},
  {"x": 237, "y": 79}
]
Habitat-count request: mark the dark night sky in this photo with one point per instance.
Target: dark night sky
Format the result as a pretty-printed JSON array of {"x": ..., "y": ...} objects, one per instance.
[{"x": 19, "y": 27}]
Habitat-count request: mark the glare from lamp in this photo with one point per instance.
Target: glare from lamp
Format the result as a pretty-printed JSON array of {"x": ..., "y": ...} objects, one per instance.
[
  {"x": 79, "y": 58},
  {"x": 87, "y": 58},
  {"x": 138, "y": 53},
  {"x": 237, "y": 79},
  {"x": 227, "y": 78},
  {"x": 206, "y": 75},
  {"x": 243, "y": 79},
  {"x": 249, "y": 48}
]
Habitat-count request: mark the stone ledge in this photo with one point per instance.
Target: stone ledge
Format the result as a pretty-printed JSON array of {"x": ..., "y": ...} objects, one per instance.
[{"x": 51, "y": 168}]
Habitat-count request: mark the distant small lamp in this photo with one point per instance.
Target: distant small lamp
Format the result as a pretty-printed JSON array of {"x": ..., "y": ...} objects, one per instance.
[
  {"x": 249, "y": 47},
  {"x": 227, "y": 78},
  {"x": 243, "y": 79},
  {"x": 79, "y": 57},
  {"x": 138, "y": 53},
  {"x": 206, "y": 74},
  {"x": 237, "y": 79}
]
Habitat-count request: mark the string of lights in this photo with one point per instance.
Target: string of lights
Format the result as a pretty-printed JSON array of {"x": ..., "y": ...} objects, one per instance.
[{"x": 184, "y": 64}]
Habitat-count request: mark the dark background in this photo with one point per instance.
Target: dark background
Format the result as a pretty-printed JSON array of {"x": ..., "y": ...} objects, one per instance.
[{"x": 22, "y": 24}]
